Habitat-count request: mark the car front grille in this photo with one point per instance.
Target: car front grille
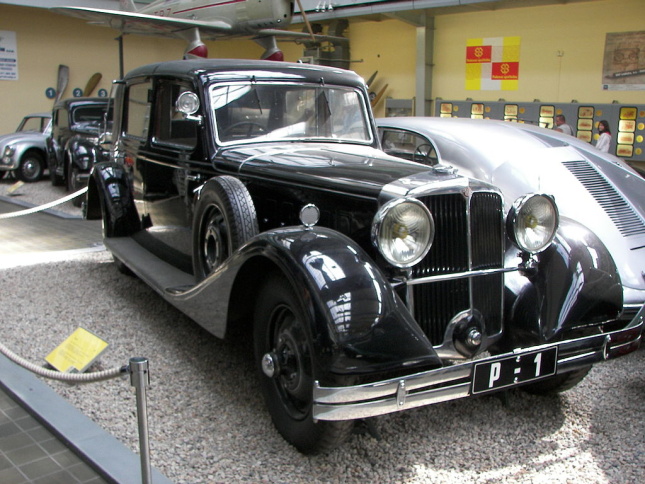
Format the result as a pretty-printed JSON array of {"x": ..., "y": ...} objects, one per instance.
[
  {"x": 618, "y": 210},
  {"x": 468, "y": 236}
]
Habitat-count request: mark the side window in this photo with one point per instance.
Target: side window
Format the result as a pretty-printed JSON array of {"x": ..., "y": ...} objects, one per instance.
[
  {"x": 409, "y": 146},
  {"x": 138, "y": 110},
  {"x": 170, "y": 126}
]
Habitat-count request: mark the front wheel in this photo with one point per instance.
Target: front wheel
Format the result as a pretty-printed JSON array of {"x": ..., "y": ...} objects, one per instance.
[
  {"x": 31, "y": 167},
  {"x": 558, "y": 383},
  {"x": 285, "y": 363}
]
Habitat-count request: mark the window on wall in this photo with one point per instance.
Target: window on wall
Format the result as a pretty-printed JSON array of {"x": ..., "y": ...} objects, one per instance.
[{"x": 138, "y": 110}]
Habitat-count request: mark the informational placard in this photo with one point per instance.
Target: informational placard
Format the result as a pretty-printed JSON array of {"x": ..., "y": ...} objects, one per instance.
[
  {"x": 623, "y": 67},
  {"x": 493, "y": 64},
  {"x": 8, "y": 56},
  {"x": 77, "y": 353}
]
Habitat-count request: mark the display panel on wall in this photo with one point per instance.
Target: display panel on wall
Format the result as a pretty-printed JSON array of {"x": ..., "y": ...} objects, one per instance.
[{"x": 627, "y": 122}]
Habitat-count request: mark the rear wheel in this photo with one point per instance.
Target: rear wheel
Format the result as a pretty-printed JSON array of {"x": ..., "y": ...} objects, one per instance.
[
  {"x": 558, "y": 383},
  {"x": 224, "y": 220},
  {"x": 31, "y": 167},
  {"x": 285, "y": 363}
]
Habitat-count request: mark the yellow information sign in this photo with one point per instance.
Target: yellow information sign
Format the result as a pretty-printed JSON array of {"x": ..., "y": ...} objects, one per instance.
[{"x": 77, "y": 353}]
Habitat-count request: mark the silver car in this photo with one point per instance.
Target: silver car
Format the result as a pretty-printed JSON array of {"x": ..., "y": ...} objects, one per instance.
[
  {"x": 25, "y": 151},
  {"x": 597, "y": 189}
]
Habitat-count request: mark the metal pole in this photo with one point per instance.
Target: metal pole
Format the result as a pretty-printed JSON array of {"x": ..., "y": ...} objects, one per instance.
[{"x": 140, "y": 379}]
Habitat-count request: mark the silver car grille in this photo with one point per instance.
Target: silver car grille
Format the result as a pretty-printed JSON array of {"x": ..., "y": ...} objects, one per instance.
[{"x": 618, "y": 210}]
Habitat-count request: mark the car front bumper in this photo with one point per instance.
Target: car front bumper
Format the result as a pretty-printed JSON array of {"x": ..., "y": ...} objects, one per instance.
[{"x": 460, "y": 380}]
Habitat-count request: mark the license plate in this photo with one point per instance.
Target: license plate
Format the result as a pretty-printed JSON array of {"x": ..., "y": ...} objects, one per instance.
[{"x": 513, "y": 370}]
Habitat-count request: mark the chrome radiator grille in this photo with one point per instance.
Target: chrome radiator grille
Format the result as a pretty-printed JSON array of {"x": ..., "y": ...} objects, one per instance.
[
  {"x": 468, "y": 236},
  {"x": 627, "y": 222}
]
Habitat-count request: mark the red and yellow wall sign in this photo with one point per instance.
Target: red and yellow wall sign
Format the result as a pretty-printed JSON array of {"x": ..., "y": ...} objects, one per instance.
[{"x": 492, "y": 64}]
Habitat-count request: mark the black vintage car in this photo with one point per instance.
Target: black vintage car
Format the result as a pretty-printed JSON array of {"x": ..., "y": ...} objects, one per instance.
[
  {"x": 73, "y": 145},
  {"x": 253, "y": 196}
]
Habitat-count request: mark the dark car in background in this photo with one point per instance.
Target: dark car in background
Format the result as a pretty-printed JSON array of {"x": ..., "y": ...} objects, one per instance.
[
  {"x": 254, "y": 197},
  {"x": 24, "y": 152},
  {"x": 73, "y": 145}
]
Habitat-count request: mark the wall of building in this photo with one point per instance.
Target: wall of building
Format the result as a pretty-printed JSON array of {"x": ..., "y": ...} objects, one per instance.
[
  {"x": 46, "y": 40},
  {"x": 576, "y": 30}
]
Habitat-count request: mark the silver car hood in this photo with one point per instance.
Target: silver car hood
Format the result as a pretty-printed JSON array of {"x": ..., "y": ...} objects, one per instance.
[{"x": 598, "y": 190}]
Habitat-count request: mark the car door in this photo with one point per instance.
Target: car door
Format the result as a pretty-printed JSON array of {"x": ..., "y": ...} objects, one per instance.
[
  {"x": 160, "y": 145},
  {"x": 60, "y": 134}
]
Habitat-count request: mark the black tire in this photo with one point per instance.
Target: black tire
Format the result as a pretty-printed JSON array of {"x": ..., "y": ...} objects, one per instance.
[
  {"x": 56, "y": 180},
  {"x": 32, "y": 167},
  {"x": 558, "y": 383},
  {"x": 121, "y": 267},
  {"x": 224, "y": 220},
  {"x": 73, "y": 185},
  {"x": 281, "y": 329}
]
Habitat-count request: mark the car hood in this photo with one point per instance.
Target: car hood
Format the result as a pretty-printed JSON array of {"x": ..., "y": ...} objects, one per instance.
[
  {"x": 22, "y": 137},
  {"x": 597, "y": 190},
  {"x": 357, "y": 170}
]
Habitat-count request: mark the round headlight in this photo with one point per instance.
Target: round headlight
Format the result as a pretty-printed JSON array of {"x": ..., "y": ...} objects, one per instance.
[
  {"x": 532, "y": 222},
  {"x": 403, "y": 231}
]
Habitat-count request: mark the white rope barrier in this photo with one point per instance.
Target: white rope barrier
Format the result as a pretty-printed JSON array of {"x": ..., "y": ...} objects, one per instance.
[{"x": 40, "y": 208}]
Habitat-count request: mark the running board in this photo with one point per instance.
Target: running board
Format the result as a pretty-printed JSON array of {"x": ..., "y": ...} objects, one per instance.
[
  {"x": 205, "y": 303},
  {"x": 164, "y": 278}
]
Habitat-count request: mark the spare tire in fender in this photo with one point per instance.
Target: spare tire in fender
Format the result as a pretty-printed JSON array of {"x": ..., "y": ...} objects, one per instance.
[{"x": 224, "y": 220}]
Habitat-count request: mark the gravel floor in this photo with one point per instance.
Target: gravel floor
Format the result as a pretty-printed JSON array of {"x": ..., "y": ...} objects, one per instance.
[{"x": 208, "y": 423}]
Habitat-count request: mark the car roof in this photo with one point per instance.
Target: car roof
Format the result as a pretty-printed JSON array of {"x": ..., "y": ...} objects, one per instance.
[
  {"x": 243, "y": 69},
  {"x": 77, "y": 101}
]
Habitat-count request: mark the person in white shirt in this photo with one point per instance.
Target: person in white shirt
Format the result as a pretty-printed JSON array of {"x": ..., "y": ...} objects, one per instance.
[
  {"x": 605, "y": 136},
  {"x": 562, "y": 126}
]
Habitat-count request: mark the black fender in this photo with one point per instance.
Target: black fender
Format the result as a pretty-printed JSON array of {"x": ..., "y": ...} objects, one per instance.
[
  {"x": 110, "y": 196},
  {"x": 82, "y": 153},
  {"x": 575, "y": 288},
  {"x": 359, "y": 324}
]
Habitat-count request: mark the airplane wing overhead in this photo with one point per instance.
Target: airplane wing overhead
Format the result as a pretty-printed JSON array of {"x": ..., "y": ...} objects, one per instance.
[{"x": 142, "y": 24}]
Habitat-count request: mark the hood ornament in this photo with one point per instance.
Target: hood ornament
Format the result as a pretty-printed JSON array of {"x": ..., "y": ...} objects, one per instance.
[{"x": 444, "y": 169}]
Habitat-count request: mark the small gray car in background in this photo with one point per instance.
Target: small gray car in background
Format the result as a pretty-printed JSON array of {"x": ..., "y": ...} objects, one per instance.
[{"x": 25, "y": 151}]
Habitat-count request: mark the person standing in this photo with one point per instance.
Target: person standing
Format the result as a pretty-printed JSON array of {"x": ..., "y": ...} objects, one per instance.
[
  {"x": 562, "y": 126},
  {"x": 605, "y": 136}
]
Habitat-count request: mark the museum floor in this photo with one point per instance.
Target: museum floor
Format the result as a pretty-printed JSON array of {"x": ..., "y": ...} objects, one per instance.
[{"x": 44, "y": 439}]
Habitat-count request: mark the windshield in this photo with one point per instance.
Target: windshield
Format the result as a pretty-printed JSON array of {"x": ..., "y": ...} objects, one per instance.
[
  {"x": 268, "y": 112},
  {"x": 89, "y": 114}
]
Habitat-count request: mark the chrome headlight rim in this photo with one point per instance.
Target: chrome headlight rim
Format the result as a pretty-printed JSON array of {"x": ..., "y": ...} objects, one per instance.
[
  {"x": 516, "y": 221},
  {"x": 378, "y": 228},
  {"x": 8, "y": 151}
]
